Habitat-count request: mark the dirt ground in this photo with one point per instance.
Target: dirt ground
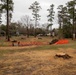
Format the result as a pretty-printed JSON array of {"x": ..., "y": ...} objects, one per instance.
[{"x": 41, "y": 62}]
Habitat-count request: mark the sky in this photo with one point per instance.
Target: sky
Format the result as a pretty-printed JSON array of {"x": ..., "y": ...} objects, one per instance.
[{"x": 21, "y": 9}]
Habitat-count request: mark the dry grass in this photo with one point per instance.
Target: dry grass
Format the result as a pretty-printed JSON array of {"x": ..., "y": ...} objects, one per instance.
[
  {"x": 37, "y": 60},
  {"x": 41, "y": 62},
  {"x": 4, "y": 43}
]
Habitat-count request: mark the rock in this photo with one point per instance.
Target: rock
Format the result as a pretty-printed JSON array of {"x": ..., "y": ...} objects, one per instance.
[{"x": 15, "y": 43}]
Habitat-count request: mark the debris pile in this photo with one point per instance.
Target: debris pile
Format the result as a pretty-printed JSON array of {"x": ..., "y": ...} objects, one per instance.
[{"x": 56, "y": 41}]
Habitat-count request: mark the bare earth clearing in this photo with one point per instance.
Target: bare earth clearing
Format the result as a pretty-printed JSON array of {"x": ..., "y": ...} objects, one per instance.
[{"x": 41, "y": 62}]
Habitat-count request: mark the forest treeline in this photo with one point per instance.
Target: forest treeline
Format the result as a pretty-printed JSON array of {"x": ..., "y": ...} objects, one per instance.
[{"x": 66, "y": 19}]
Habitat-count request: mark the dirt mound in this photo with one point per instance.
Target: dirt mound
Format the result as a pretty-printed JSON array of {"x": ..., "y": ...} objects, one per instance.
[
  {"x": 53, "y": 41},
  {"x": 63, "y": 41}
]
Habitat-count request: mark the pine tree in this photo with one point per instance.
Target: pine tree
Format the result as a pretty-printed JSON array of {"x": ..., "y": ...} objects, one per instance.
[
  {"x": 51, "y": 16},
  {"x": 35, "y": 7},
  {"x": 7, "y": 7}
]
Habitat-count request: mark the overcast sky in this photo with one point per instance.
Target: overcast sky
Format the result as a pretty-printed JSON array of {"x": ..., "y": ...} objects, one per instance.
[{"x": 21, "y": 9}]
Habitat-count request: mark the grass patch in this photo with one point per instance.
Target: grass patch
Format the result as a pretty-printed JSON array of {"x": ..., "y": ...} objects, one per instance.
[
  {"x": 43, "y": 47},
  {"x": 71, "y": 44}
]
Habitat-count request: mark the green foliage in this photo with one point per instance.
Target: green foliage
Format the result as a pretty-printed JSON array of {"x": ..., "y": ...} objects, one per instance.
[
  {"x": 66, "y": 19},
  {"x": 7, "y": 7},
  {"x": 0, "y": 13},
  {"x": 35, "y": 10},
  {"x": 67, "y": 31},
  {"x": 3, "y": 27},
  {"x": 51, "y": 15},
  {"x": 4, "y": 4},
  {"x": 35, "y": 7}
]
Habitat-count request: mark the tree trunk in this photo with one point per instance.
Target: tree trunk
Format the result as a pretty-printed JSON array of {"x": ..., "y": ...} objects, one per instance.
[
  {"x": 35, "y": 27},
  {"x": 7, "y": 27},
  {"x": 73, "y": 23},
  {"x": 60, "y": 32},
  {"x": 73, "y": 36},
  {"x": 27, "y": 32}
]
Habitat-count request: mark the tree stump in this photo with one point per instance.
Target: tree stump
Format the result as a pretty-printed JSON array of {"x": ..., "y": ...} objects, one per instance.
[
  {"x": 62, "y": 55},
  {"x": 15, "y": 43},
  {"x": 39, "y": 38}
]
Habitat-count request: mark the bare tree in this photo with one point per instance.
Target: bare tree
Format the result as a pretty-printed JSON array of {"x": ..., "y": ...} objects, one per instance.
[{"x": 26, "y": 22}]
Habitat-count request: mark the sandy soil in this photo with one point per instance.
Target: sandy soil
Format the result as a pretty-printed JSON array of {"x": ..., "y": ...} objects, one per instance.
[{"x": 41, "y": 62}]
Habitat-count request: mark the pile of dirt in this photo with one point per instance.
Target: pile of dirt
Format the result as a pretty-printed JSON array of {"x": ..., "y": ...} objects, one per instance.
[
  {"x": 61, "y": 41},
  {"x": 53, "y": 41}
]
